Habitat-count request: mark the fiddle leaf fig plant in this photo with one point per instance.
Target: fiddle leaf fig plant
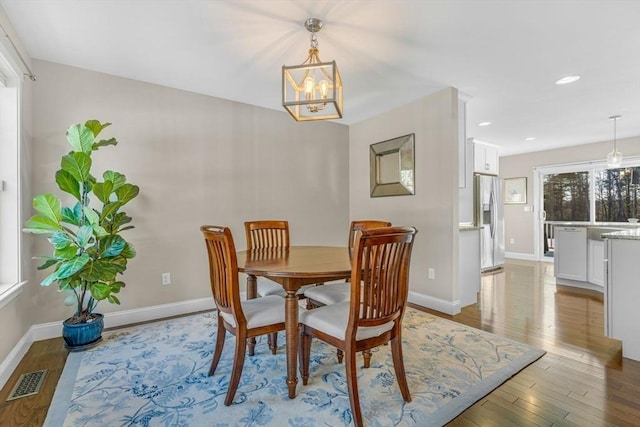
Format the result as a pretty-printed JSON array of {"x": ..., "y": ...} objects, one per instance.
[{"x": 88, "y": 250}]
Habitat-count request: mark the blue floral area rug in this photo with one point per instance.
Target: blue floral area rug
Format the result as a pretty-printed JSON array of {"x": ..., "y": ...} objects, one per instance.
[{"x": 156, "y": 375}]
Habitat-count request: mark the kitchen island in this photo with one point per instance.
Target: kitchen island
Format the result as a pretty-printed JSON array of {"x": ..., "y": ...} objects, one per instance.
[
  {"x": 622, "y": 289},
  {"x": 580, "y": 253}
]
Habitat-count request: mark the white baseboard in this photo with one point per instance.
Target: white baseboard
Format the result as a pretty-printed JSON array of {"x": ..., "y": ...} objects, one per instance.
[
  {"x": 119, "y": 318},
  {"x": 10, "y": 363},
  {"x": 520, "y": 255},
  {"x": 443, "y": 306}
]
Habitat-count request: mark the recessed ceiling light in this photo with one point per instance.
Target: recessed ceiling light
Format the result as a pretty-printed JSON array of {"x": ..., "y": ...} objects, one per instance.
[
  {"x": 567, "y": 80},
  {"x": 484, "y": 123},
  {"x": 530, "y": 138}
]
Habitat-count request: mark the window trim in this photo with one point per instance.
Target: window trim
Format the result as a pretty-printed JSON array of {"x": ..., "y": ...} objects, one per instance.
[{"x": 11, "y": 283}]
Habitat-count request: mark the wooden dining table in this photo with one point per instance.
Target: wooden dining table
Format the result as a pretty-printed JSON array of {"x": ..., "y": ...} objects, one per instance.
[{"x": 293, "y": 268}]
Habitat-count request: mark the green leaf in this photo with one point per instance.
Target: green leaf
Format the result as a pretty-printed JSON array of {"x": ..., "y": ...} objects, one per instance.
[
  {"x": 71, "y": 267},
  {"x": 68, "y": 284},
  {"x": 60, "y": 240},
  {"x": 81, "y": 138},
  {"x": 109, "y": 209},
  {"x": 103, "y": 190},
  {"x": 67, "y": 183},
  {"x": 48, "y": 263},
  {"x": 49, "y": 206},
  {"x": 84, "y": 236},
  {"x": 39, "y": 224},
  {"x": 128, "y": 251},
  {"x": 116, "y": 178},
  {"x": 95, "y": 126},
  {"x": 66, "y": 253},
  {"x": 105, "y": 142},
  {"x": 116, "y": 286},
  {"x": 99, "y": 290},
  {"x": 99, "y": 231},
  {"x": 104, "y": 270},
  {"x": 112, "y": 246},
  {"x": 120, "y": 219},
  {"x": 91, "y": 216},
  {"x": 50, "y": 279},
  {"x": 113, "y": 299},
  {"x": 70, "y": 216},
  {"x": 78, "y": 165},
  {"x": 127, "y": 192}
]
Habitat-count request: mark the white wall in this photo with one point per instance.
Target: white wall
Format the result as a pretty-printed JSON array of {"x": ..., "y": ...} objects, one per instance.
[
  {"x": 433, "y": 210},
  {"x": 198, "y": 160}
]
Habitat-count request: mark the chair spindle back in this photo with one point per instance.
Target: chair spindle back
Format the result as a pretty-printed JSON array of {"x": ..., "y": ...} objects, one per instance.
[
  {"x": 267, "y": 234},
  {"x": 380, "y": 276}
]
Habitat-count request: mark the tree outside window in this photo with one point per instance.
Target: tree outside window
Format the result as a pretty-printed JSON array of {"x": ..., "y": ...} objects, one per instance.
[
  {"x": 616, "y": 194},
  {"x": 613, "y": 195},
  {"x": 566, "y": 196}
]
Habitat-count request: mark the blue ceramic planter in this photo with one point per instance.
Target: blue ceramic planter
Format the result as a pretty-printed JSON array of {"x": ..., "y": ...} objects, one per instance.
[{"x": 81, "y": 336}]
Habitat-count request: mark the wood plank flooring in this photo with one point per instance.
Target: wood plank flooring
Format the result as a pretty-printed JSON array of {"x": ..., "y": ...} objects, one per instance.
[{"x": 581, "y": 381}]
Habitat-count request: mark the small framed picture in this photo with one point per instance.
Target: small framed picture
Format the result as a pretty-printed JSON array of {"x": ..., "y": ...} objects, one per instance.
[{"x": 515, "y": 191}]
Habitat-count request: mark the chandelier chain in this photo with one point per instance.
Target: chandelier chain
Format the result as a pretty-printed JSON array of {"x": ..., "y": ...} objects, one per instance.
[
  {"x": 615, "y": 121},
  {"x": 314, "y": 41}
]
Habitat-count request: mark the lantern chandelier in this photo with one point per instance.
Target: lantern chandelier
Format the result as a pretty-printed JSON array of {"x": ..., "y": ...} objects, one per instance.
[
  {"x": 614, "y": 158},
  {"x": 312, "y": 90}
]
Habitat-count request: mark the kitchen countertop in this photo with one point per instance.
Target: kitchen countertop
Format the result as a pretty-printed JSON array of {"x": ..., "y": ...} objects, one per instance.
[
  {"x": 631, "y": 225},
  {"x": 633, "y": 234}
]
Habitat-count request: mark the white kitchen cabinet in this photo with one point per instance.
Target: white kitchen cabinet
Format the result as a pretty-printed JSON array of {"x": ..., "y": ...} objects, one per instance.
[
  {"x": 485, "y": 158},
  {"x": 570, "y": 257},
  {"x": 595, "y": 265},
  {"x": 622, "y": 294},
  {"x": 469, "y": 276}
]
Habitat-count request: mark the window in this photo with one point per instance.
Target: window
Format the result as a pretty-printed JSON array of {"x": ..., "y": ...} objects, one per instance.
[
  {"x": 10, "y": 234},
  {"x": 566, "y": 196},
  {"x": 592, "y": 194},
  {"x": 616, "y": 194}
]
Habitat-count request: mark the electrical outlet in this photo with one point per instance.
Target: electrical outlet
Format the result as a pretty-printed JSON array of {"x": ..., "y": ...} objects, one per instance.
[
  {"x": 432, "y": 273},
  {"x": 512, "y": 241},
  {"x": 166, "y": 278}
]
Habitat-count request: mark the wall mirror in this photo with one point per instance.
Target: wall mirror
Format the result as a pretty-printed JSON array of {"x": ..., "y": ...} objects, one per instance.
[{"x": 391, "y": 166}]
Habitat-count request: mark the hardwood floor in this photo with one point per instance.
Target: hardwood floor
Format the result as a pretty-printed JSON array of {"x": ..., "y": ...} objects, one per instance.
[{"x": 581, "y": 381}]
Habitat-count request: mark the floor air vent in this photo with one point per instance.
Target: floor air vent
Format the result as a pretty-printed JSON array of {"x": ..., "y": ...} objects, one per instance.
[{"x": 28, "y": 384}]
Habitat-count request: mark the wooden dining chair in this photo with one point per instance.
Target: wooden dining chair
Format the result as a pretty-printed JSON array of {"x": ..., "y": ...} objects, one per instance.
[
  {"x": 333, "y": 293},
  {"x": 269, "y": 234},
  {"x": 373, "y": 315},
  {"x": 244, "y": 319}
]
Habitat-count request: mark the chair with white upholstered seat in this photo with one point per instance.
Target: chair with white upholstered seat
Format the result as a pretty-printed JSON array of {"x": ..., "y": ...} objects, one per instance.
[
  {"x": 333, "y": 293},
  {"x": 246, "y": 319},
  {"x": 373, "y": 315},
  {"x": 269, "y": 234}
]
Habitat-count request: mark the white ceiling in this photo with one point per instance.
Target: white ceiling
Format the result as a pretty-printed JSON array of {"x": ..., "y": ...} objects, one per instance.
[{"x": 504, "y": 54}]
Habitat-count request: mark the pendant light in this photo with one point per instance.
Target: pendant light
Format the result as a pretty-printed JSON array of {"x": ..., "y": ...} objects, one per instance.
[
  {"x": 312, "y": 90},
  {"x": 614, "y": 158}
]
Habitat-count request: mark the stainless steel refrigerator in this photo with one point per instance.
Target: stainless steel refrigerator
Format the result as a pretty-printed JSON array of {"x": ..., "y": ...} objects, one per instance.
[{"x": 489, "y": 214}]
